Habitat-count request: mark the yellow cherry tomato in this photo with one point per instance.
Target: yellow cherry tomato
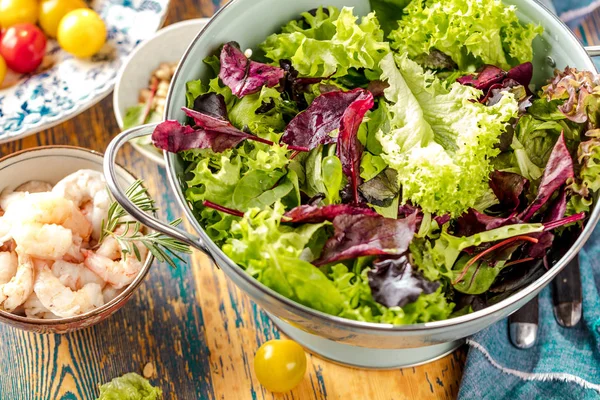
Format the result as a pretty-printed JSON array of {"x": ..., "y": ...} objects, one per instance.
[
  {"x": 2, "y": 70},
  {"x": 53, "y": 11},
  {"x": 82, "y": 33},
  {"x": 280, "y": 365},
  {"x": 14, "y": 12}
]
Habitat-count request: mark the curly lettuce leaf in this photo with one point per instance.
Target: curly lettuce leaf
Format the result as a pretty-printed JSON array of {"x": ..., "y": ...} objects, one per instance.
[
  {"x": 130, "y": 386},
  {"x": 388, "y": 12},
  {"x": 442, "y": 140},
  {"x": 358, "y": 302},
  {"x": 271, "y": 254},
  {"x": 229, "y": 179},
  {"x": 471, "y": 32},
  {"x": 315, "y": 52}
]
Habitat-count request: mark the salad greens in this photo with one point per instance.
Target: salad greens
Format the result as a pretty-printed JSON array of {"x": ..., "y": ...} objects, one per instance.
[
  {"x": 397, "y": 167},
  {"x": 130, "y": 386}
]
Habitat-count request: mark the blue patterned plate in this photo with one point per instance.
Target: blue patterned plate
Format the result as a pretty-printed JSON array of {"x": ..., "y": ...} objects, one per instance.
[{"x": 67, "y": 86}]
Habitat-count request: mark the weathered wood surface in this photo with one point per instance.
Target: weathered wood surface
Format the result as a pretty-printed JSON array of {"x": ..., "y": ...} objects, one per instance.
[{"x": 197, "y": 329}]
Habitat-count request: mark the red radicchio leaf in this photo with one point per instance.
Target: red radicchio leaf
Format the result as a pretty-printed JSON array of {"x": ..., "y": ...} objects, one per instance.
[
  {"x": 488, "y": 76},
  {"x": 395, "y": 283},
  {"x": 315, "y": 214},
  {"x": 295, "y": 86},
  {"x": 508, "y": 188},
  {"x": 211, "y": 104},
  {"x": 364, "y": 235},
  {"x": 442, "y": 219},
  {"x": 312, "y": 127},
  {"x": 244, "y": 76},
  {"x": 555, "y": 213},
  {"x": 349, "y": 148},
  {"x": 558, "y": 169},
  {"x": 491, "y": 75},
  {"x": 474, "y": 222},
  {"x": 210, "y": 133},
  {"x": 522, "y": 73}
]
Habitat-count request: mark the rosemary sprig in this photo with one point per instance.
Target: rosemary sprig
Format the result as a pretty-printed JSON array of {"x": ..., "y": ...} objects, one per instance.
[{"x": 162, "y": 247}]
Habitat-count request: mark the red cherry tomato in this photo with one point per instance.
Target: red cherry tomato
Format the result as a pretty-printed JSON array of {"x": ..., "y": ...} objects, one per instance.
[{"x": 23, "y": 47}]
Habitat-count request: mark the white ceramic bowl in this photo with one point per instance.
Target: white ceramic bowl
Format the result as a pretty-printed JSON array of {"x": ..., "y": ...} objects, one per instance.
[
  {"x": 168, "y": 45},
  {"x": 51, "y": 164}
]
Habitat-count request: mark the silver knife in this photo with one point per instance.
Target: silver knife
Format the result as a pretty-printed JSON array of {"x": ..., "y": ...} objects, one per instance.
[
  {"x": 523, "y": 325},
  {"x": 567, "y": 295}
]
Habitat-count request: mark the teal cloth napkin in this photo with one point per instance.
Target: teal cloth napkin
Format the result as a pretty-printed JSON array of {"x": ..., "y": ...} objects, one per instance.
[{"x": 565, "y": 363}]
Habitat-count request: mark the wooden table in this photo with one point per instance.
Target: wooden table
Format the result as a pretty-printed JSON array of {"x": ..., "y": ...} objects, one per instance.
[{"x": 197, "y": 329}]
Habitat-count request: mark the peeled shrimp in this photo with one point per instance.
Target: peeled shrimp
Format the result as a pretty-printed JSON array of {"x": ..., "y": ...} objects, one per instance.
[
  {"x": 8, "y": 266},
  {"x": 17, "y": 290},
  {"x": 44, "y": 241},
  {"x": 34, "y": 308},
  {"x": 47, "y": 208},
  {"x": 75, "y": 276},
  {"x": 61, "y": 300},
  {"x": 118, "y": 273},
  {"x": 86, "y": 186},
  {"x": 110, "y": 293}
]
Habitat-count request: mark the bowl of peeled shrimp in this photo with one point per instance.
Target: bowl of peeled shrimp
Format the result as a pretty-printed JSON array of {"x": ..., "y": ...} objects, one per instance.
[{"x": 60, "y": 269}]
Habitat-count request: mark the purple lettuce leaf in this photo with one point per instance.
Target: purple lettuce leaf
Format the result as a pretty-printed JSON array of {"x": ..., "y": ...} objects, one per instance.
[
  {"x": 211, "y": 104},
  {"x": 442, "y": 219},
  {"x": 244, "y": 76},
  {"x": 174, "y": 137},
  {"x": 522, "y": 73},
  {"x": 208, "y": 133},
  {"x": 558, "y": 170},
  {"x": 349, "y": 148},
  {"x": 314, "y": 214},
  {"x": 488, "y": 76},
  {"x": 364, "y": 235},
  {"x": 473, "y": 222},
  {"x": 312, "y": 127},
  {"x": 497, "y": 90},
  {"x": 396, "y": 283},
  {"x": 508, "y": 187},
  {"x": 573, "y": 88},
  {"x": 295, "y": 86},
  {"x": 554, "y": 213},
  {"x": 492, "y": 75}
]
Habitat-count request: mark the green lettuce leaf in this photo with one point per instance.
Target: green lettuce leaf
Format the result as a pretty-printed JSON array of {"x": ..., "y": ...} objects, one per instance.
[
  {"x": 359, "y": 304},
  {"x": 471, "y": 32},
  {"x": 441, "y": 141},
  {"x": 388, "y": 12},
  {"x": 271, "y": 254},
  {"x": 447, "y": 248},
  {"x": 130, "y": 386},
  {"x": 238, "y": 178},
  {"x": 325, "y": 45}
]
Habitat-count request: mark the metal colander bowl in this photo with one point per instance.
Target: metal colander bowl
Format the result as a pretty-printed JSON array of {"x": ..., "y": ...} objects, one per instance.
[{"x": 346, "y": 341}]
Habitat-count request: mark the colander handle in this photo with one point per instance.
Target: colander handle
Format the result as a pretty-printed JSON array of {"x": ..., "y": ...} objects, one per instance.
[
  {"x": 121, "y": 198},
  {"x": 593, "y": 51}
]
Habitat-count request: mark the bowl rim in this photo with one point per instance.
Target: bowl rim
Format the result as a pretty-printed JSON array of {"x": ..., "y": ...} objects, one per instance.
[
  {"x": 215, "y": 251},
  {"x": 201, "y": 22},
  {"x": 120, "y": 299}
]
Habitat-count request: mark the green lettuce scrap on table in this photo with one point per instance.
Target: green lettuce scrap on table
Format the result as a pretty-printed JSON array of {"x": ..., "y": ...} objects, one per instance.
[
  {"x": 130, "y": 386},
  {"x": 395, "y": 168}
]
